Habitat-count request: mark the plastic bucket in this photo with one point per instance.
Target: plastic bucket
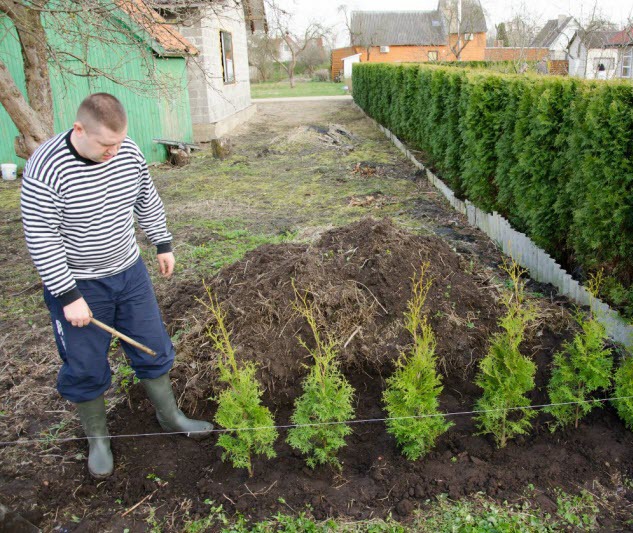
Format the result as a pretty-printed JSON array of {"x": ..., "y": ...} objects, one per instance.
[{"x": 9, "y": 171}]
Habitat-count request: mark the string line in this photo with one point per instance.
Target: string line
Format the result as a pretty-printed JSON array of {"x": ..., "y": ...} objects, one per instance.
[{"x": 315, "y": 424}]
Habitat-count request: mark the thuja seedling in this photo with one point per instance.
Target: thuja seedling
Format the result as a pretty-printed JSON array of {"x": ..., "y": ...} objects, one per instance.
[
  {"x": 623, "y": 388},
  {"x": 411, "y": 397},
  {"x": 582, "y": 367},
  {"x": 250, "y": 424},
  {"x": 505, "y": 375},
  {"x": 326, "y": 402}
]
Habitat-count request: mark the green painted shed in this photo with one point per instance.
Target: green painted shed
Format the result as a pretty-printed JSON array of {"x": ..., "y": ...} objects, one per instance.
[{"x": 147, "y": 56}]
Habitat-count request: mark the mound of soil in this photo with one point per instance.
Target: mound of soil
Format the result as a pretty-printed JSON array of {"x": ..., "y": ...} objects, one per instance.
[
  {"x": 334, "y": 136},
  {"x": 359, "y": 277}
]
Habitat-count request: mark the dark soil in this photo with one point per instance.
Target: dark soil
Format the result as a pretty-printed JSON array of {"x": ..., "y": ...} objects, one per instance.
[{"x": 359, "y": 276}]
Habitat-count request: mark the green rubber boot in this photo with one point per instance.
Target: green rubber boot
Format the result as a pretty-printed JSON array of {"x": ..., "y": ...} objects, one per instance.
[
  {"x": 169, "y": 416},
  {"x": 93, "y": 419}
]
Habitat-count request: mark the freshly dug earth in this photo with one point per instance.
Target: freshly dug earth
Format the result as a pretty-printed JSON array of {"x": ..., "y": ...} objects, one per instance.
[{"x": 359, "y": 276}]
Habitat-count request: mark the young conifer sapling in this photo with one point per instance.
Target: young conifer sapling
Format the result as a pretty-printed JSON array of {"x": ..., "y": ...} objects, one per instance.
[
  {"x": 623, "y": 388},
  {"x": 505, "y": 375},
  {"x": 250, "y": 424},
  {"x": 326, "y": 403},
  {"x": 411, "y": 397},
  {"x": 581, "y": 368}
]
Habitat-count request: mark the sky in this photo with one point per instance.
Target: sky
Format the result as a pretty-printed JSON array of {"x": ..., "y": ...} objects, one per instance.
[{"x": 326, "y": 11}]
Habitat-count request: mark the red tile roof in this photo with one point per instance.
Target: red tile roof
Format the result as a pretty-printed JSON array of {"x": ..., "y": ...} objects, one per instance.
[
  {"x": 170, "y": 40},
  {"x": 623, "y": 37}
]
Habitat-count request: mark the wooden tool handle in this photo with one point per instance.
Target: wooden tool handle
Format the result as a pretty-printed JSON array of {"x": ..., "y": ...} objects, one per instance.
[{"x": 123, "y": 337}]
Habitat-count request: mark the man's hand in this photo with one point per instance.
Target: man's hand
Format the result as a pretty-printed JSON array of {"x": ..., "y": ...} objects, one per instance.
[
  {"x": 78, "y": 313},
  {"x": 166, "y": 264}
]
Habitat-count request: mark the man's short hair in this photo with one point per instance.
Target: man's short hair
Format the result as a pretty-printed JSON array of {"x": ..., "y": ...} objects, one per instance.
[{"x": 102, "y": 109}]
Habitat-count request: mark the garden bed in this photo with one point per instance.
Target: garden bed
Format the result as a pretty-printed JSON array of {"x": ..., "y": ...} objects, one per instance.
[
  {"x": 359, "y": 276},
  {"x": 285, "y": 183}
]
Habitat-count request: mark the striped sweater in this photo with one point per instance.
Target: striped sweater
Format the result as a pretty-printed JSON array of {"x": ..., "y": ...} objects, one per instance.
[{"x": 78, "y": 215}]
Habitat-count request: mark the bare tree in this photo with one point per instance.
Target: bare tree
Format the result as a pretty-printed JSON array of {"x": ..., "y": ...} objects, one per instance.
[
  {"x": 312, "y": 56},
  {"x": 111, "y": 24},
  {"x": 464, "y": 18},
  {"x": 359, "y": 33},
  {"x": 521, "y": 29},
  {"x": 33, "y": 118},
  {"x": 279, "y": 23},
  {"x": 593, "y": 32},
  {"x": 261, "y": 52}
]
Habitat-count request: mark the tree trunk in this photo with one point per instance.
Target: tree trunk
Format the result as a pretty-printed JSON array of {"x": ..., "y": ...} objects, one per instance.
[
  {"x": 291, "y": 71},
  {"x": 33, "y": 131},
  {"x": 33, "y": 118}
]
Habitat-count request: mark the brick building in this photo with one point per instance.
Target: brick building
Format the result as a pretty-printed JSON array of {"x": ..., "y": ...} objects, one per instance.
[
  {"x": 414, "y": 36},
  {"x": 515, "y": 54}
]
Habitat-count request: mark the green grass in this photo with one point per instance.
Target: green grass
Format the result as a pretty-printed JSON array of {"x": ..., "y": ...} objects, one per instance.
[
  {"x": 282, "y": 89},
  {"x": 9, "y": 195},
  {"x": 479, "y": 514}
]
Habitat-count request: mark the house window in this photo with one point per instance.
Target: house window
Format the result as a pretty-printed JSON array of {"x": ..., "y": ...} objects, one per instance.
[
  {"x": 433, "y": 55},
  {"x": 468, "y": 37},
  {"x": 627, "y": 61},
  {"x": 606, "y": 62},
  {"x": 226, "y": 42},
  {"x": 384, "y": 49}
]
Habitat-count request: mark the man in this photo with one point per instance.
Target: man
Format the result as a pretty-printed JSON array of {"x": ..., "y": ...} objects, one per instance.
[{"x": 80, "y": 192}]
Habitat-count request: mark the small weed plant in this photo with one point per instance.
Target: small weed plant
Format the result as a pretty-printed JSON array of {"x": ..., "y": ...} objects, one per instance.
[
  {"x": 250, "y": 424},
  {"x": 411, "y": 396},
  {"x": 581, "y": 368},
  {"x": 326, "y": 401},
  {"x": 478, "y": 514},
  {"x": 623, "y": 388},
  {"x": 505, "y": 375},
  {"x": 577, "y": 510},
  {"x": 125, "y": 376}
]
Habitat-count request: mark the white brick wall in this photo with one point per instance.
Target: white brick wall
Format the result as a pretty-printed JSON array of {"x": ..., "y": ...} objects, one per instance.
[{"x": 211, "y": 99}]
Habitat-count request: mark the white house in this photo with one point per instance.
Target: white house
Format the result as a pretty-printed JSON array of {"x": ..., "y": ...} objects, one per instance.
[
  {"x": 623, "y": 41},
  {"x": 591, "y": 55},
  {"x": 556, "y": 36},
  {"x": 219, "y": 84},
  {"x": 348, "y": 63}
]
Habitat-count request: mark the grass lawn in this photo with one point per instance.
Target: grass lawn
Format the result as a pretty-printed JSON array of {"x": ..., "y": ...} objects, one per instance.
[{"x": 281, "y": 89}]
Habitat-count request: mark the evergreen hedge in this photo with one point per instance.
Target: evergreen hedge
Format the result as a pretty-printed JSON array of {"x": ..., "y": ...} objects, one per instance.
[
  {"x": 551, "y": 154},
  {"x": 507, "y": 66}
]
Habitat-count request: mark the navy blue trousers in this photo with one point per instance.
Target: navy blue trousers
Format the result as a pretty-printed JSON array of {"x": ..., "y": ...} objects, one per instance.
[{"x": 126, "y": 302}]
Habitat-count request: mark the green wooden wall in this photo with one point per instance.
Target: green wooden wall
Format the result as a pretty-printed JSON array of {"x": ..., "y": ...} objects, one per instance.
[{"x": 153, "y": 111}]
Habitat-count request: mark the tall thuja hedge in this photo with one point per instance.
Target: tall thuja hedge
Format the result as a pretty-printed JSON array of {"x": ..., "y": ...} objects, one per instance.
[
  {"x": 438, "y": 137},
  {"x": 508, "y": 149},
  {"x": 481, "y": 123},
  {"x": 452, "y": 164},
  {"x": 421, "y": 134},
  {"x": 602, "y": 230},
  {"x": 551, "y": 154},
  {"x": 538, "y": 180}
]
